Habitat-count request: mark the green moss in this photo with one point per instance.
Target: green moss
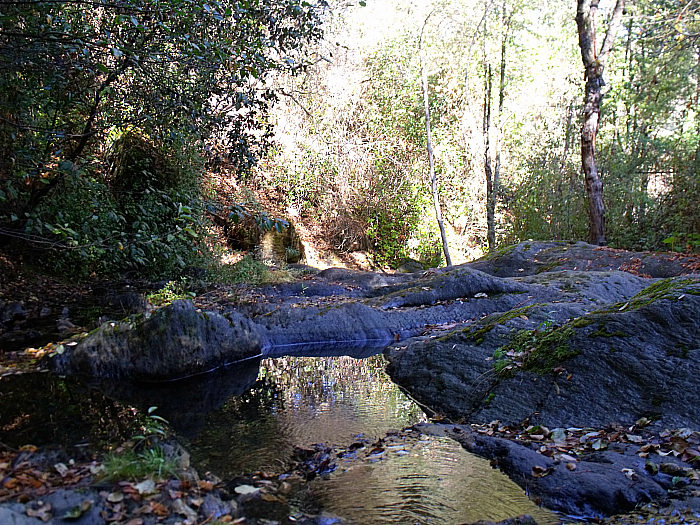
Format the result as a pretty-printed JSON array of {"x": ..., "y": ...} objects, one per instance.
[
  {"x": 551, "y": 347},
  {"x": 489, "y": 322},
  {"x": 602, "y": 332},
  {"x": 582, "y": 322},
  {"x": 539, "y": 351},
  {"x": 502, "y": 252},
  {"x": 547, "y": 267},
  {"x": 665, "y": 289}
]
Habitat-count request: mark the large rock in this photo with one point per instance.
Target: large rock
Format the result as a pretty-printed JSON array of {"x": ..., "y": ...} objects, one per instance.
[
  {"x": 177, "y": 341},
  {"x": 598, "y": 354}
]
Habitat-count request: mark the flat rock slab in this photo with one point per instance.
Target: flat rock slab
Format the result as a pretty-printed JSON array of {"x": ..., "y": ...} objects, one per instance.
[
  {"x": 568, "y": 363},
  {"x": 604, "y": 483}
]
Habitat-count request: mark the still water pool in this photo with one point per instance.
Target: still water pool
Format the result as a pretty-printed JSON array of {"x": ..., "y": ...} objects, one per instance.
[
  {"x": 299, "y": 401},
  {"x": 249, "y": 417}
]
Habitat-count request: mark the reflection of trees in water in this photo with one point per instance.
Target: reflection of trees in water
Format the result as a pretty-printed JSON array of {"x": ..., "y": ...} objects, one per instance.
[
  {"x": 299, "y": 401},
  {"x": 328, "y": 380}
]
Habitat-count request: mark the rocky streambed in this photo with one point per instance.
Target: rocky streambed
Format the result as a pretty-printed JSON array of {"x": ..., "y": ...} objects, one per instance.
[{"x": 574, "y": 368}]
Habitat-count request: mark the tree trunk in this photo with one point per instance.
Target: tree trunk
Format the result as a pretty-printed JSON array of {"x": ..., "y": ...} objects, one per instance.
[
  {"x": 490, "y": 196},
  {"x": 429, "y": 143},
  {"x": 431, "y": 163},
  {"x": 594, "y": 66},
  {"x": 594, "y": 184},
  {"x": 499, "y": 125}
]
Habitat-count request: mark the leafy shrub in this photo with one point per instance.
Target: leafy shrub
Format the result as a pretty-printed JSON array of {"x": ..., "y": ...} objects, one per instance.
[
  {"x": 172, "y": 291},
  {"x": 147, "y": 216},
  {"x": 247, "y": 270}
]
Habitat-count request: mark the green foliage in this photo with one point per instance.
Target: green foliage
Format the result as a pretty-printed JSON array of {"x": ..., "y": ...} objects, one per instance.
[
  {"x": 172, "y": 291},
  {"x": 247, "y": 270},
  {"x": 103, "y": 129},
  {"x": 146, "y": 216},
  {"x": 239, "y": 212},
  {"x": 145, "y": 459},
  {"x": 389, "y": 227},
  {"x": 131, "y": 465}
]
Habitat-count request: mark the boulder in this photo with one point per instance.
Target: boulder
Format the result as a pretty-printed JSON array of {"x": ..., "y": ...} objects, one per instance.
[
  {"x": 595, "y": 353},
  {"x": 177, "y": 341}
]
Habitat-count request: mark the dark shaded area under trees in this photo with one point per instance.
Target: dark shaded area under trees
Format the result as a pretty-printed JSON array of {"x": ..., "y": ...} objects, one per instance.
[{"x": 111, "y": 112}]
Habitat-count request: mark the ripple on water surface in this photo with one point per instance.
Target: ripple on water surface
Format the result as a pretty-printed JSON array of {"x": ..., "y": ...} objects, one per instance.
[
  {"x": 429, "y": 480},
  {"x": 299, "y": 401}
]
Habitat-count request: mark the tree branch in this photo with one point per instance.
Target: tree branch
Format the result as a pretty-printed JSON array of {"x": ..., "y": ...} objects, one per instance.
[{"x": 613, "y": 27}]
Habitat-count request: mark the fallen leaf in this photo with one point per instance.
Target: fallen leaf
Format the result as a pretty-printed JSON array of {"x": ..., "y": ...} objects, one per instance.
[
  {"x": 159, "y": 509},
  {"x": 61, "y": 468},
  {"x": 205, "y": 485},
  {"x": 182, "y": 509},
  {"x": 629, "y": 473},
  {"x": 245, "y": 489},
  {"x": 78, "y": 510},
  {"x": 672, "y": 469},
  {"x": 175, "y": 494},
  {"x": 651, "y": 467},
  {"x": 43, "y": 512},
  {"x": 599, "y": 444},
  {"x": 147, "y": 486},
  {"x": 11, "y": 483},
  {"x": 540, "y": 472},
  {"x": 115, "y": 497}
]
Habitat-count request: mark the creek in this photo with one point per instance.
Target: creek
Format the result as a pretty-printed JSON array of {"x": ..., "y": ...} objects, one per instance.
[{"x": 251, "y": 416}]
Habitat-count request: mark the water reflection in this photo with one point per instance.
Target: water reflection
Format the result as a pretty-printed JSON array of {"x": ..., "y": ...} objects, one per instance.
[
  {"x": 186, "y": 402},
  {"x": 44, "y": 410},
  {"x": 249, "y": 417},
  {"x": 432, "y": 481},
  {"x": 298, "y": 401}
]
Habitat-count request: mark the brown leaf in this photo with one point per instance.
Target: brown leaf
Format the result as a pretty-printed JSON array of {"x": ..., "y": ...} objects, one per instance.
[
  {"x": 11, "y": 483},
  {"x": 159, "y": 509},
  {"x": 205, "y": 485},
  {"x": 540, "y": 472}
]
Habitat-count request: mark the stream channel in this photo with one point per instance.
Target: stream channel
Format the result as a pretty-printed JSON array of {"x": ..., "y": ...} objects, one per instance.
[{"x": 249, "y": 417}]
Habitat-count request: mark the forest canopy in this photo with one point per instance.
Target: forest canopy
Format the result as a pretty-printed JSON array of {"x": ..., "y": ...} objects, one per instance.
[{"x": 114, "y": 116}]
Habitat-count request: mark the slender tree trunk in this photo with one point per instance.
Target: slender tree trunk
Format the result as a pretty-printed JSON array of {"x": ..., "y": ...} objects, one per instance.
[
  {"x": 488, "y": 171},
  {"x": 499, "y": 127},
  {"x": 594, "y": 64},
  {"x": 564, "y": 211},
  {"x": 429, "y": 143}
]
